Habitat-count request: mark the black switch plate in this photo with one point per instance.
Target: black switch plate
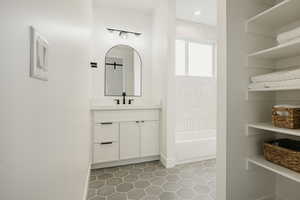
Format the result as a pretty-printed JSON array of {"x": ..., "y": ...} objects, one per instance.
[{"x": 94, "y": 65}]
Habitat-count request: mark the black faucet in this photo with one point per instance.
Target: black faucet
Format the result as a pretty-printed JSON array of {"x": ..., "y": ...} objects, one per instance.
[{"x": 124, "y": 97}]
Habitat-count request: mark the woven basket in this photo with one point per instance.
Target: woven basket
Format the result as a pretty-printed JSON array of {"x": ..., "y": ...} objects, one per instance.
[
  {"x": 284, "y": 152},
  {"x": 286, "y": 117}
]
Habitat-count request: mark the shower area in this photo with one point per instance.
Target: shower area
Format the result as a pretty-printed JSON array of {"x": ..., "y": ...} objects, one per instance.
[{"x": 196, "y": 81}]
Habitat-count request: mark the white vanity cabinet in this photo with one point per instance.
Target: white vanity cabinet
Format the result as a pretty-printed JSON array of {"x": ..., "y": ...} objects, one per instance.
[{"x": 124, "y": 136}]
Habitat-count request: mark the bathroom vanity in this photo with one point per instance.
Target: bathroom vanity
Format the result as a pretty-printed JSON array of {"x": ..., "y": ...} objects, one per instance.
[{"x": 125, "y": 135}]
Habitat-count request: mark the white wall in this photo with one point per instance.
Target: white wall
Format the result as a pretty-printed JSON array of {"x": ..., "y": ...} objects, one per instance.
[
  {"x": 44, "y": 126},
  {"x": 126, "y": 19},
  {"x": 196, "y": 99},
  {"x": 256, "y": 182},
  {"x": 163, "y": 78}
]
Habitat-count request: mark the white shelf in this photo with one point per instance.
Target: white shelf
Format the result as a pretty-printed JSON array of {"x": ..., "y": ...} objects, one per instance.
[
  {"x": 286, "y": 50},
  {"x": 268, "y": 126},
  {"x": 260, "y": 161},
  {"x": 279, "y": 15},
  {"x": 275, "y": 89}
]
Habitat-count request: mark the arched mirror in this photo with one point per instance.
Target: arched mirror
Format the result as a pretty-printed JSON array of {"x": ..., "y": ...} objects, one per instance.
[{"x": 123, "y": 71}]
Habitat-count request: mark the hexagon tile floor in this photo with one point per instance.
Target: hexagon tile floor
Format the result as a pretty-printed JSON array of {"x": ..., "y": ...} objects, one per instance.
[{"x": 151, "y": 181}]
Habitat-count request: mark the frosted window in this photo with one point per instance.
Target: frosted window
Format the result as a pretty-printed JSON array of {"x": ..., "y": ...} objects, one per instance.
[
  {"x": 180, "y": 57},
  {"x": 201, "y": 59}
]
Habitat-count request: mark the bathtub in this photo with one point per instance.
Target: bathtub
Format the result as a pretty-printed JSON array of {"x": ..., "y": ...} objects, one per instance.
[{"x": 193, "y": 146}]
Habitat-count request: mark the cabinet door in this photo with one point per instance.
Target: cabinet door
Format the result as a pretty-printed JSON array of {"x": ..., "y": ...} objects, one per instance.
[
  {"x": 129, "y": 140},
  {"x": 150, "y": 138}
]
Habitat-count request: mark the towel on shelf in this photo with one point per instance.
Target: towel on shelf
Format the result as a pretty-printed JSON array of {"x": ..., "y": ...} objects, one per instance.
[
  {"x": 288, "y": 36},
  {"x": 284, "y": 75},
  {"x": 256, "y": 85},
  {"x": 276, "y": 84}
]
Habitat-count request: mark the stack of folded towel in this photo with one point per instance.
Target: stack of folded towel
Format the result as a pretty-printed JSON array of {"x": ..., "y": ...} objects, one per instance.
[
  {"x": 289, "y": 36},
  {"x": 285, "y": 78}
]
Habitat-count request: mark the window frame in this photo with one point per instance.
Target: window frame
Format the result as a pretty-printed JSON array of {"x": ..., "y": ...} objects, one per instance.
[{"x": 214, "y": 55}]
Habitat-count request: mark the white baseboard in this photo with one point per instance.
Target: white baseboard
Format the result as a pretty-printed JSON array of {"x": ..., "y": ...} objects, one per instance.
[
  {"x": 179, "y": 162},
  {"x": 86, "y": 186},
  {"x": 268, "y": 197},
  {"x": 167, "y": 162},
  {"x": 124, "y": 162}
]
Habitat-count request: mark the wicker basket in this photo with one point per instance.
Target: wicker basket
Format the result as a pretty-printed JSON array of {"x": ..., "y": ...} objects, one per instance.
[
  {"x": 284, "y": 152},
  {"x": 286, "y": 117}
]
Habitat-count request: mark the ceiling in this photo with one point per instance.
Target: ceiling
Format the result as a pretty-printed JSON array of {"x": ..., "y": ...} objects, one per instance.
[
  {"x": 185, "y": 9},
  {"x": 145, "y": 6}
]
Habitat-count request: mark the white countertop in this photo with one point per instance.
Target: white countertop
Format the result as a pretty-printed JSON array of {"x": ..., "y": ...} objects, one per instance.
[{"x": 125, "y": 107}]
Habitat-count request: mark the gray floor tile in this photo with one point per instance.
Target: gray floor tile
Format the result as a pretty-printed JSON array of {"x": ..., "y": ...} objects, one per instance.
[
  {"x": 202, "y": 197},
  {"x": 96, "y": 184},
  {"x": 121, "y": 173},
  {"x": 168, "y": 196},
  {"x": 104, "y": 176},
  {"x": 154, "y": 191},
  {"x": 91, "y": 193},
  {"x": 142, "y": 184},
  {"x": 150, "y": 197},
  {"x": 158, "y": 181},
  {"x": 131, "y": 178},
  {"x": 98, "y": 198},
  {"x": 172, "y": 178},
  {"x": 114, "y": 181},
  {"x": 202, "y": 189},
  {"x": 161, "y": 172},
  {"x": 136, "y": 171},
  {"x": 146, "y": 175},
  {"x": 171, "y": 187},
  {"x": 151, "y": 181},
  {"x": 106, "y": 190},
  {"x": 117, "y": 196},
  {"x": 186, "y": 193},
  {"x": 125, "y": 187},
  {"x": 136, "y": 194}
]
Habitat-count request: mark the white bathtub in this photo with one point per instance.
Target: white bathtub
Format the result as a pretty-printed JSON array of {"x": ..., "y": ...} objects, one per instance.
[{"x": 192, "y": 146}]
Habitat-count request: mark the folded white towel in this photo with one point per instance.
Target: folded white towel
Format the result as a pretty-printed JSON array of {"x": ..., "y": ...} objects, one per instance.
[
  {"x": 277, "y": 76},
  {"x": 286, "y": 106},
  {"x": 277, "y": 84},
  {"x": 257, "y": 85},
  {"x": 288, "y": 36}
]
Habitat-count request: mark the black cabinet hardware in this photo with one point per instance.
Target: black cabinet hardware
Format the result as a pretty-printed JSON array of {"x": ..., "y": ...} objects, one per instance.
[
  {"x": 106, "y": 123},
  {"x": 94, "y": 65},
  {"x": 106, "y": 143}
]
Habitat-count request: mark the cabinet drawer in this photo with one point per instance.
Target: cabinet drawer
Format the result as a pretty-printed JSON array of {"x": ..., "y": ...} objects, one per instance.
[
  {"x": 106, "y": 152},
  {"x": 126, "y": 115},
  {"x": 106, "y": 132}
]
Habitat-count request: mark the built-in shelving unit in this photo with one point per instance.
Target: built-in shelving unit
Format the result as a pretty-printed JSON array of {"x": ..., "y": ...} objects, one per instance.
[
  {"x": 277, "y": 16},
  {"x": 279, "y": 52},
  {"x": 268, "y": 126},
  {"x": 262, "y": 162},
  {"x": 263, "y": 29}
]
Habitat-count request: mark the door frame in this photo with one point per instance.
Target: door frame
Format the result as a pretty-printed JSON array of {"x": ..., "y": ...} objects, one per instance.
[{"x": 222, "y": 154}]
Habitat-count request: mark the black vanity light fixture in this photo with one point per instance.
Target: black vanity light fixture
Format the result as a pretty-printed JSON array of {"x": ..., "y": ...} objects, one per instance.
[{"x": 122, "y": 33}]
